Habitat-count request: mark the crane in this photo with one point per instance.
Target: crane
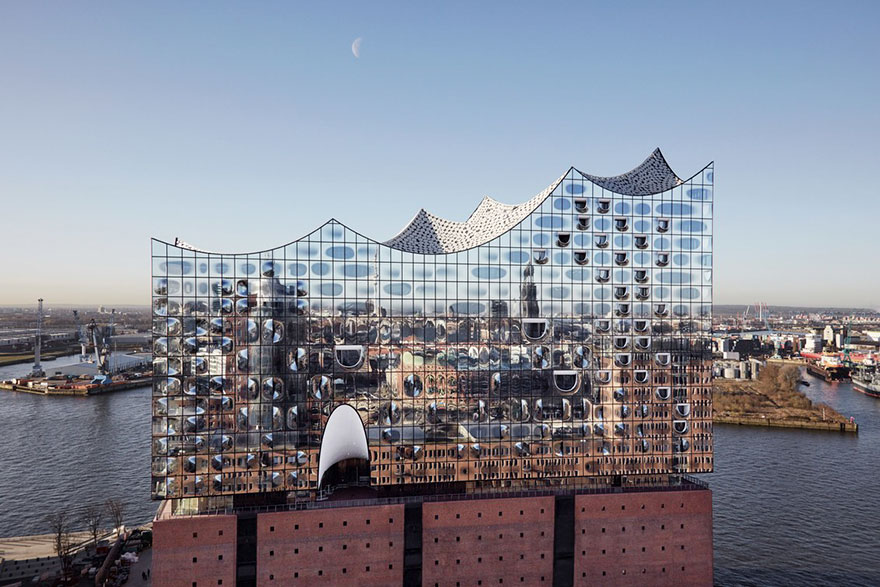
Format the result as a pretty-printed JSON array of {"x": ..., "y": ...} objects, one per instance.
[
  {"x": 845, "y": 359},
  {"x": 82, "y": 338},
  {"x": 743, "y": 317},
  {"x": 101, "y": 352},
  {"x": 38, "y": 369},
  {"x": 765, "y": 314}
]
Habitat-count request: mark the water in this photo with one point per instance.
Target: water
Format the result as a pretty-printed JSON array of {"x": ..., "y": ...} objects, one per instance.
[
  {"x": 49, "y": 366},
  {"x": 799, "y": 507},
  {"x": 64, "y": 453},
  {"x": 791, "y": 506}
]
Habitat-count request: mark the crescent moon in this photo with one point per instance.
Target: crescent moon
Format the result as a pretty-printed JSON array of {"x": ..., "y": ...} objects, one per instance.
[{"x": 356, "y": 47}]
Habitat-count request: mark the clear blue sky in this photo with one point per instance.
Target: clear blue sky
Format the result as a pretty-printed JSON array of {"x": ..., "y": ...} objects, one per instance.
[{"x": 240, "y": 126}]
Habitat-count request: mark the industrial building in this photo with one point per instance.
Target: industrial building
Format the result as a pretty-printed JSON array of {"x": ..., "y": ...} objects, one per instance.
[{"x": 517, "y": 398}]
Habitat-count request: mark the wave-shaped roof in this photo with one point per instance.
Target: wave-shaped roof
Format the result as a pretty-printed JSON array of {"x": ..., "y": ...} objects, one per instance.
[
  {"x": 652, "y": 176},
  {"x": 430, "y": 234}
]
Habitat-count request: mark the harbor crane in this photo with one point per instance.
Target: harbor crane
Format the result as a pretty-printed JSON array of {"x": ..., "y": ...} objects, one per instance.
[
  {"x": 765, "y": 316},
  {"x": 742, "y": 317},
  {"x": 82, "y": 338},
  {"x": 102, "y": 353},
  {"x": 38, "y": 369},
  {"x": 847, "y": 341}
]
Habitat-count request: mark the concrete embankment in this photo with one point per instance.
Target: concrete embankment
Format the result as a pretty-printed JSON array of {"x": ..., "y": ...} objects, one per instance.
[{"x": 849, "y": 427}]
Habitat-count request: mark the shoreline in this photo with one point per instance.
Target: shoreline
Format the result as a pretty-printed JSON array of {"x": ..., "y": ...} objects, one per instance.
[
  {"x": 842, "y": 427},
  {"x": 774, "y": 400}
]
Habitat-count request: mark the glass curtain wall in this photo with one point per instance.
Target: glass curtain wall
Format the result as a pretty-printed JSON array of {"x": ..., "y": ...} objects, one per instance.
[{"x": 574, "y": 344}]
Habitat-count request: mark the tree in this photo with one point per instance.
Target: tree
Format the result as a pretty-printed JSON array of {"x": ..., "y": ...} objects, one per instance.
[
  {"x": 116, "y": 511},
  {"x": 59, "y": 524},
  {"x": 789, "y": 377},
  {"x": 93, "y": 516},
  {"x": 767, "y": 378}
]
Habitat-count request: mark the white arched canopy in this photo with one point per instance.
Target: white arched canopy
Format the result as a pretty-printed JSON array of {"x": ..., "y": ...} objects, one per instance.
[{"x": 344, "y": 438}]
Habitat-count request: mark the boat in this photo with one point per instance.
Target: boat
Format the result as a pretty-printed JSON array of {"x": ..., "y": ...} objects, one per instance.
[
  {"x": 867, "y": 381},
  {"x": 866, "y": 377},
  {"x": 829, "y": 367}
]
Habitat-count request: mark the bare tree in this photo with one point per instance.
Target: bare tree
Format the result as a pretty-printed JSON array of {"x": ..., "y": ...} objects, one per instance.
[
  {"x": 93, "y": 516},
  {"x": 116, "y": 511},
  {"x": 59, "y": 524},
  {"x": 789, "y": 377}
]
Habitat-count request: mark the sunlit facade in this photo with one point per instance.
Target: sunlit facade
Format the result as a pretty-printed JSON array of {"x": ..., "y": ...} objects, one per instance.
[{"x": 562, "y": 341}]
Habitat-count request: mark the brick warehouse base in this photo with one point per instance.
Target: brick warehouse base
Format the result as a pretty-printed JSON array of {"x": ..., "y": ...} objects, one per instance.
[
  {"x": 195, "y": 550},
  {"x": 616, "y": 538}
]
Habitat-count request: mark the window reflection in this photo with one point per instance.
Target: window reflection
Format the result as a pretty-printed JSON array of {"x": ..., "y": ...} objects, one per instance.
[{"x": 508, "y": 352}]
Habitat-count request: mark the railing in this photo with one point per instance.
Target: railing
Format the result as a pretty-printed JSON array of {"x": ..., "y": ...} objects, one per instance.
[{"x": 676, "y": 483}]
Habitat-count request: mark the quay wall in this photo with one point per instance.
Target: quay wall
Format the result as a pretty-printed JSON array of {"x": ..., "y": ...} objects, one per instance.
[
  {"x": 97, "y": 390},
  {"x": 849, "y": 427}
]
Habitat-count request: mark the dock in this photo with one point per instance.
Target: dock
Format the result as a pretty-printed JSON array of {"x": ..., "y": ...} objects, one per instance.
[
  {"x": 845, "y": 427},
  {"x": 80, "y": 389},
  {"x": 82, "y": 379}
]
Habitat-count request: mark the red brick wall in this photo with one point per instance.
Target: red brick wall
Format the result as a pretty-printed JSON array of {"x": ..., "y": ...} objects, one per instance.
[
  {"x": 194, "y": 551},
  {"x": 344, "y": 546},
  {"x": 483, "y": 541},
  {"x": 638, "y": 538},
  {"x": 656, "y": 538}
]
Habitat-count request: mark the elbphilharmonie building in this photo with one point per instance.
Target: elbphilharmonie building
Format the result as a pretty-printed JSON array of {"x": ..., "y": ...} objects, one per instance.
[{"x": 560, "y": 343}]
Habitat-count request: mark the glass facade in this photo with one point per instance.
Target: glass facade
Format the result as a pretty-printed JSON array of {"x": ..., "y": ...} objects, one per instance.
[{"x": 567, "y": 341}]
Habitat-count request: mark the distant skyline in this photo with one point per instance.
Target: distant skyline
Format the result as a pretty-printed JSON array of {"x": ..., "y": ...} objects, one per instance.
[{"x": 241, "y": 127}]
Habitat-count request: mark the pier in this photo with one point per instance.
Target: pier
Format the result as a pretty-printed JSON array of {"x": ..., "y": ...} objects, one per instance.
[
  {"x": 119, "y": 373},
  {"x": 846, "y": 427},
  {"x": 774, "y": 400},
  {"x": 79, "y": 389}
]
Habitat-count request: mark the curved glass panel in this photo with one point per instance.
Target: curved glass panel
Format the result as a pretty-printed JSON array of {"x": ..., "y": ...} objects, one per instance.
[{"x": 454, "y": 342}]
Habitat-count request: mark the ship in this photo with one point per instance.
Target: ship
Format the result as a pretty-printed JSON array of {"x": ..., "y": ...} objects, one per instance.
[
  {"x": 866, "y": 378},
  {"x": 828, "y": 366}
]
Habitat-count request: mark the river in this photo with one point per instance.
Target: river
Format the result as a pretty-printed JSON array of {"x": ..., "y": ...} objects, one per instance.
[
  {"x": 64, "y": 453},
  {"x": 799, "y": 507},
  {"x": 791, "y": 506}
]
